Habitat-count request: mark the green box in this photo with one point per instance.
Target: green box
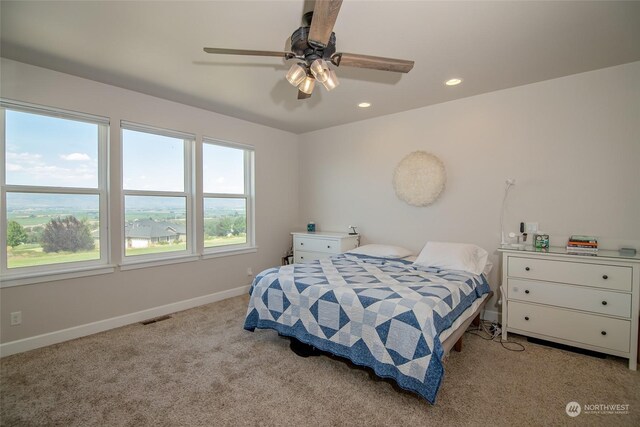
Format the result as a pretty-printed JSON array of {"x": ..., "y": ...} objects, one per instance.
[{"x": 541, "y": 241}]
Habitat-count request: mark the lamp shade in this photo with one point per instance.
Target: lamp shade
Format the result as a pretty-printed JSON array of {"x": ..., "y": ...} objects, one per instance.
[
  {"x": 332, "y": 80},
  {"x": 320, "y": 70},
  {"x": 307, "y": 85},
  {"x": 296, "y": 74}
]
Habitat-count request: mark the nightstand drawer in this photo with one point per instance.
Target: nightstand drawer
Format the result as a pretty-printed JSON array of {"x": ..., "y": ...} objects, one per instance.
[
  {"x": 575, "y": 297},
  {"x": 568, "y": 325},
  {"x": 316, "y": 245},
  {"x": 306, "y": 256},
  {"x": 576, "y": 273}
]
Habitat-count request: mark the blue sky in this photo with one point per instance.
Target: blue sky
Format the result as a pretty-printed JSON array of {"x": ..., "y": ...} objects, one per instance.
[
  {"x": 222, "y": 169},
  {"x": 152, "y": 162},
  {"x": 47, "y": 151}
]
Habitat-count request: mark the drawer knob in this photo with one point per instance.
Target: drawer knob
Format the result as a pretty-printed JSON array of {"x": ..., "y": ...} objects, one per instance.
[
  {"x": 301, "y": 244},
  {"x": 328, "y": 246},
  {"x": 526, "y": 291},
  {"x": 301, "y": 257},
  {"x": 605, "y": 277},
  {"x": 527, "y": 268},
  {"x": 526, "y": 317},
  {"x": 604, "y": 303},
  {"x": 604, "y": 332}
]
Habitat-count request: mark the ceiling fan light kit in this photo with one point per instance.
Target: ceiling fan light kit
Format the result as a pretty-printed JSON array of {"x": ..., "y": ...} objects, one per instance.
[
  {"x": 296, "y": 74},
  {"x": 314, "y": 45},
  {"x": 332, "y": 81},
  {"x": 320, "y": 70},
  {"x": 307, "y": 85}
]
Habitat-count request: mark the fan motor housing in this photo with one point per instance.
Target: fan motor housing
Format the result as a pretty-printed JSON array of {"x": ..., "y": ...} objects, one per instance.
[{"x": 301, "y": 47}]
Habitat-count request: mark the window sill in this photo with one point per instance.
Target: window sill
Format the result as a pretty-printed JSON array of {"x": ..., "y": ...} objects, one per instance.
[
  {"x": 230, "y": 251},
  {"x": 10, "y": 280},
  {"x": 158, "y": 262}
]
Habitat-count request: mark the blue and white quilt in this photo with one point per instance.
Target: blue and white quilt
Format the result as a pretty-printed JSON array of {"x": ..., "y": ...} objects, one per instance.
[{"x": 381, "y": 313}]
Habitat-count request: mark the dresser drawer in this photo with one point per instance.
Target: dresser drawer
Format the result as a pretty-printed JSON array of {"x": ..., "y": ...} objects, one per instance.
[
  {"x": 575, "y": 297},
  {"x": 578, "y": 327},
  {"x": 307, "y": 256},
  {"x": 316, "y": 245},
  {"x": 577, "y": 273}
]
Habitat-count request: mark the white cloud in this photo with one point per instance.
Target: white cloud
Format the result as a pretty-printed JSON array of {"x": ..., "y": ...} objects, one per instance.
[
  {"x": 30, "y": 169},
  {"x": 24, "y": 157},
  {"x": 75, "y": 157},
  {"x": 13, "y": 168}
]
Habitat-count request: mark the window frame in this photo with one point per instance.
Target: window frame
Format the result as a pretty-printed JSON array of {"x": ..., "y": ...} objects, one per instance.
[
  {"x": 21, "y": 275},
  {"x": 248, "y": 196},
  {"x": 190, "y": 252}
]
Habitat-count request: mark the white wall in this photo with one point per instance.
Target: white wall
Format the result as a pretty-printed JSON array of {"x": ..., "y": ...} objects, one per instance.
[
  {"x": 54, "y": 306},
  {"x": 572, "y": 144}
]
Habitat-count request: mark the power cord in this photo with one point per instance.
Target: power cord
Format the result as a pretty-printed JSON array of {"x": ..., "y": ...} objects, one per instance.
[{"x": 489, "y": 331}]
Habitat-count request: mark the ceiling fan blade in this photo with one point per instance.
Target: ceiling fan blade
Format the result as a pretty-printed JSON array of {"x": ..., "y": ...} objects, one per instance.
[
  {"x": 324, "y": 18},
  {"x": 287, "y": 55},
  {"x": 302, "y": 95},
  {"x": 373, "y": 62}
]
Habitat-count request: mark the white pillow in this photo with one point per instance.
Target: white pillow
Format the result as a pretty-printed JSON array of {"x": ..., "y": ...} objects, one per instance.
[
  {"x": 381, "y": 251},
  {"x": 453, "y": 256}
]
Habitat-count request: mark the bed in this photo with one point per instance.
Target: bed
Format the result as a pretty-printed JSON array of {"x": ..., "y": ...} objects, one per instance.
[{"x": 391, "y": 315}]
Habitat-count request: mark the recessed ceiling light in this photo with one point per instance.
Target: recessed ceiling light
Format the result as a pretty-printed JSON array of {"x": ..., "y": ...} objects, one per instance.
[
  {"x": 364, "y": 105},
  {"x": 453, "y": 82}
]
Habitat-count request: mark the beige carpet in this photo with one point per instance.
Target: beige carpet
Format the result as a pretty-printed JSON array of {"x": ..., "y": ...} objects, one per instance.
[{"x": 202, "y": 368}]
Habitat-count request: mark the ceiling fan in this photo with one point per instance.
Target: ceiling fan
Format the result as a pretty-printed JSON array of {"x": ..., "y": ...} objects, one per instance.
[{"x": 314, "y": 46}]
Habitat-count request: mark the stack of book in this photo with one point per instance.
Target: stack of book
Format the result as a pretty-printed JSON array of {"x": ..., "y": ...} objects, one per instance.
[{"x": 582, "y": 245}]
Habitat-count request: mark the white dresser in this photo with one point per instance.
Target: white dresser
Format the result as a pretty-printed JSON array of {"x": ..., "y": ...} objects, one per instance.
[
  {"x": 590, "y": 302},
  {"x": 311, "y": 246}
]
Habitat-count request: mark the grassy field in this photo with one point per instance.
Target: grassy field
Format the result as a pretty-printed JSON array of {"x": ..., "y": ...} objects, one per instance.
[
  {"x": 221, "y": 241},
  {"x": 29, "y": 255},
  {"x": 156, "y": 249}
]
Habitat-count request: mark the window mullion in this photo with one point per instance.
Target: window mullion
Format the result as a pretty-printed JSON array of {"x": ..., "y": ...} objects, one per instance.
[
  {"x": 103, "y": 185},
  {"x": 50, "y": 190},
  {"x": 3, "y": 196},
  {"x": 152, "y": 193},
  {"x": 224, "y": 196}
]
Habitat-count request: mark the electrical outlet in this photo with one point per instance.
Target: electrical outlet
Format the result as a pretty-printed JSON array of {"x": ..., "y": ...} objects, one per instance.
[
  {"x": 531, "y": 227},
  {"x": 16, "y": 318},
  {"x": 249, "y": 271}
]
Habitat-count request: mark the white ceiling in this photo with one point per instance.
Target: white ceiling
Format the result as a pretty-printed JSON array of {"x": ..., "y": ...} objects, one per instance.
[{"x": 156, "y": 48}]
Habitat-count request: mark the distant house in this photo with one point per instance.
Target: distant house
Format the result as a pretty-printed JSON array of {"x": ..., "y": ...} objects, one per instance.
[{"x": 142, "y": 233}]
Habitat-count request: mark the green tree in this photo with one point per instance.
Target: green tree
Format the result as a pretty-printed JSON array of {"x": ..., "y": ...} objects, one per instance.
[
  {"x": 67, "y": 234},
  {"x": 239, "y": 225},
  {"x": 34, "y": 234},
  {"x": 15, "y": 234},
  {"x": 211, "y": 227},
  {"x": 225, "y": 226}
]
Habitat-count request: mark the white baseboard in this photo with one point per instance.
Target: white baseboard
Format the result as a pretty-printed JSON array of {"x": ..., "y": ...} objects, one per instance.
[
  {"x": 491, "y": 315},
  {"x": 55, "y": 337}
]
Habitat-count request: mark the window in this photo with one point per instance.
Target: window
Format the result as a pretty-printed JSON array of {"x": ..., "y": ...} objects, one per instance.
[
  {"x": 157, "y": 191},
  {"x": 54, "y": 199},
  {"x": 227, "y": 184}
]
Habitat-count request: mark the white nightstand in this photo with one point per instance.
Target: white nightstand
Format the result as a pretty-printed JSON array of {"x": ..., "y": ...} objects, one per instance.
[
  {"x": 590, "y": 302},
  {"x": 311, "y": 246}
]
